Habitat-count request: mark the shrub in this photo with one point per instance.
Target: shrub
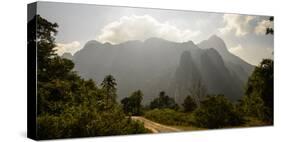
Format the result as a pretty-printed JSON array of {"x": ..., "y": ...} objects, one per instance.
[
  {"x": 216, "y": 112},
  {"x": 80, "y": 121},
  {"x": 189, "y": 104},
  {"x": 164, "y": 101},
  {"x": 168, "y": 116},
  {"x": 132, "y": 104}
]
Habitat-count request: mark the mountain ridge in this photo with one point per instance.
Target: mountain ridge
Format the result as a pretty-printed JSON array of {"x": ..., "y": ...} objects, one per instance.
[{"x": 156, "y": 65}]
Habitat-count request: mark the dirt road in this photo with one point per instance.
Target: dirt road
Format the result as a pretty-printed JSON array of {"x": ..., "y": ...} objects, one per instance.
[{"x": 155, "y": 127}]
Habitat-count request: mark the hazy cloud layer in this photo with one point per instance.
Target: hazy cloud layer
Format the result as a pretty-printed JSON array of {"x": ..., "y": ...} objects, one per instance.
[
  {"x": 246, "y": 53},
  {"x": 141, "y": 28},
  {"x": 239, "y": 24},
  {"x": 236, "y": 49},
  {"x": 116, "y": 24},
  {"x": 71, "y": 47}
]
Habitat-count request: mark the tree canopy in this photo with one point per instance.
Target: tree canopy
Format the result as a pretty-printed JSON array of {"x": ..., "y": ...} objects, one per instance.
[
  {"x": 132, "y": 104},
  {"x": 189, "y": 104},
  {"x": 259, "y": 91},
  {"x": 163, "y": 101},
  {"x": 216, "y": 112}
]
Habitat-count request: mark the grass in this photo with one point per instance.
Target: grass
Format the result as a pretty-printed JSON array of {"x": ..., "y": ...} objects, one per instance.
[
  {"x": 176, "y": 119},
  {"x": 254, "y": 122},
  {"x": 185, "y": 121},
  {"x": 167, "y": 116}
]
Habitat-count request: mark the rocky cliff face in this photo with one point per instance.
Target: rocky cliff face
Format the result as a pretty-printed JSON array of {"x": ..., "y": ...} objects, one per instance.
[{"x": 158, "y": 65}]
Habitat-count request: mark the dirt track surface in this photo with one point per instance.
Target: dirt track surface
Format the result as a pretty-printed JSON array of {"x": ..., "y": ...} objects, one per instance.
[{"x": 155, "y": 127}]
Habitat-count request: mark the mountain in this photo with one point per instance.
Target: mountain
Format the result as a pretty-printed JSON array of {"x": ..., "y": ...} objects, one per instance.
[
  {"x": 156, "y": 65},
  {"x": 235, "y": 64}
]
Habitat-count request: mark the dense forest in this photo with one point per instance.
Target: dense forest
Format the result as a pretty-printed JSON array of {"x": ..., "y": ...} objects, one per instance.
[{"x": 70, "y": 106}]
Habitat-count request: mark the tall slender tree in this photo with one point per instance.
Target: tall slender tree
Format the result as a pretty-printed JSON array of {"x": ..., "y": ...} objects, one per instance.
[{"x": 109, "y": 86}]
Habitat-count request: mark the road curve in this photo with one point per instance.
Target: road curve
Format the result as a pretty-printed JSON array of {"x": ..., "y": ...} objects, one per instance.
[{"x": 155, "y": 127}]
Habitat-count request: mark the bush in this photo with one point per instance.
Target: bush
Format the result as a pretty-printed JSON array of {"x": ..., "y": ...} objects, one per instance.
[
  {"x": 164, "y": 101},
  {"x": 252, "y": 106},
  {"x": 132, "y": 104},
  {"x": 216, "y": 112},
  {"x": 189, "y": 104},
  {"x": 168, "y": 116},
  {"x": 82, "y": 122}
]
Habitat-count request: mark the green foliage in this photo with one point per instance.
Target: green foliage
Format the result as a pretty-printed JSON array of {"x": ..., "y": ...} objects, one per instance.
[
  {"x": 253, "y": 121},
  {"x": 68, "y": 106},
  {"x": 132, "y": 105},
  {"x": 61, "y": 68},
  {"x": 216, "y": 112},
  {"x": 163, "y": 101},
  {"x": 189, "y": 104},
  {"x": 252, "y": 106},
  {"x": 45, "y": 45},
  {"x": 168, "y": 117},
  {"x": 259, "y": 92},
  {"x": 79, "y": 121},
  {"x": 109, "y": 84},
  {"x": 109, "y": 87}
]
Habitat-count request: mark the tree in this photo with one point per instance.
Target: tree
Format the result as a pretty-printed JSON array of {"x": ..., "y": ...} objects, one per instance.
[
  {"x": 252, "y": 106},
  {"x": 132, "y": 105},
  {"x": 216, "y": 112},
  {"x": 67, "y": 105},
  {"x": 60, "y": 68},
  {"x": 52, "y": 71},
  {"x": 163, "y": 101},
  {"x": 45, "y": 38},
  {"x": 260, "y": 84},
  {"x": 189, "y": 104},
  {"x": 109, "y": 85},
  {"x": 127, "y": 107},
  {"x": 198, "y": 91}
]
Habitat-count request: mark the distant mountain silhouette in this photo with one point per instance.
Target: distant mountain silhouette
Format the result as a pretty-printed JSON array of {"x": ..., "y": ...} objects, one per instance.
[{"x": 156, "y": 65}]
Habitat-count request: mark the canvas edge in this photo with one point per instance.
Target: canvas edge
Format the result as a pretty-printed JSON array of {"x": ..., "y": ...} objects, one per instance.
[{"x": 31, "y": 74}]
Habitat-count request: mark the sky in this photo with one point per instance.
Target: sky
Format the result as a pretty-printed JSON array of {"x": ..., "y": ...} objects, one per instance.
[{"x": 78, "y": 23}]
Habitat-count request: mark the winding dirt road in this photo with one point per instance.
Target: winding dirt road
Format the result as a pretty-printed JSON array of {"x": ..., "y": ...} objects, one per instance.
[{"x": 155, "y": 127}]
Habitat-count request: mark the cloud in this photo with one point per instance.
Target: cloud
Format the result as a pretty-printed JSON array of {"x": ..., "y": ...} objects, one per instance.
[
  {"x": 262, "y": 26},
  {"x": 236, "y": 49},
  {"x": 71, "y": 47},
  {"x": 236, "y": 23},
  {"x": 141, "y": 28},
  {"x": 246, "y": 53}
]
